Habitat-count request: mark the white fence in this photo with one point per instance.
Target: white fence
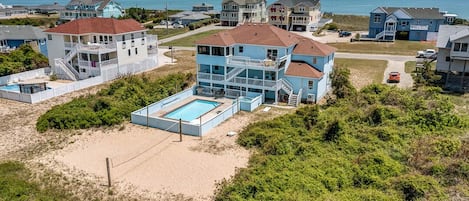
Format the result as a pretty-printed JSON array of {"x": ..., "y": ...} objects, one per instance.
[
  {"x": 113, "y": 72},
  {"x": 24, "y": 75}
]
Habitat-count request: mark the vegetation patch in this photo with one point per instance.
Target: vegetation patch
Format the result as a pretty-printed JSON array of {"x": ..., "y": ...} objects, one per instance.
[
  {"x": 189, "y": 41},
  {"x": 16, "y": 184},
  {"x": 166, "y": 33},
  {"x": 44, "y": 21},
  {"x": 364, "y": 145},
  {"x": 114, "y": 104},
  {"x": 349, "y": 22},
  {"x": 22, "y": 59},
  {"x": 363, "y": 71},
  {"x": 398, "y": 47}
]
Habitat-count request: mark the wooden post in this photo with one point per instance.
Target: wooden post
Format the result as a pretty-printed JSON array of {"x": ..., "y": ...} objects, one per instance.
[
  {"x": 180, "y": 130},
  {"x": 108, "y": 173},
  {"x": 200, "y": 127}
]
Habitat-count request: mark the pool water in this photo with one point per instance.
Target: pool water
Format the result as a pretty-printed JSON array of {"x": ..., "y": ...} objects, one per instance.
[
  {"x": 192, "y": 110},
  {"x": 12, "y": 87}
]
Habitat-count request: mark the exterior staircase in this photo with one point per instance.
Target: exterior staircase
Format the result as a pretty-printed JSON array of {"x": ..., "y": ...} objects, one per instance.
[
  {"x": 382, "y": 35},
  {"x": 233, "y": 73},
  {"x": 293, "y": 99},
  {"x": 71, "y": 73}
]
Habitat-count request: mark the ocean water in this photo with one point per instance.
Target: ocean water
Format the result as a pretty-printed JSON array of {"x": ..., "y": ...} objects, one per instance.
[{"x": 355, "y": 7}]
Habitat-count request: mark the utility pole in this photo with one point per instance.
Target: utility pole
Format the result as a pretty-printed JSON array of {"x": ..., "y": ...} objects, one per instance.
[{"x": 167, "y": 22}]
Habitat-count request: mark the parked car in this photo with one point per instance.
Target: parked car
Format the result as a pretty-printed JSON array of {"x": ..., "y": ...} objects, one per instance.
[
  {"x": 178, "y": 26},
  {"x": 344, "y": 34},
  {"x": 428, "y": 53},
  {"x": 394, "y": 77}
]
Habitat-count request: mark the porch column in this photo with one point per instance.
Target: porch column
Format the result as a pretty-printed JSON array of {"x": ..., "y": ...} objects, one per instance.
[
  {"x": 448, "y": 72},
  {"x": 276, "y": 96},
  {"x": 462, "y": 77},
  {"x": 99, "y": 59}
]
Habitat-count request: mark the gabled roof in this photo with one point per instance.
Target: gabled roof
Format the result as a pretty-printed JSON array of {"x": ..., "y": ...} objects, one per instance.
[
  {"x": 102, "y": 3},
  {"x": 98, "y": 25},
  {"x": 458, "y": 35},
  {"x": 449, "y": 31},
  {"x": 293, "y": 3},
  {"x": 243, "y": 2},
  {"x": 20, "y": 32},
  {"x": 302, "y": 69},
  {"x": 416, "y": 13},
  {"x": 252, "y": 33},
  {"x": 307, "y": 46}
]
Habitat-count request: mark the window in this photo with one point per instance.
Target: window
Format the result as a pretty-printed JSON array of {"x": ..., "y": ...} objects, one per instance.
[
  {"x": 315, "y": 60},
  {"x": 83, "y": 70},
  {"x": 49, "y": 37},
  {"x": 310, "y": 84},
  {"x": 272, "y": 54},
  {"x": 377, "y": 18},
  {"x": 123, "y": 37},
  {"x": 464, "y": 47},
  {"x": 241, "y": 49},
  {"x": 136, "y": 51},
  {"x": 203, "y": 50},
  {"x": 132, "y": 36},
  {"x": 129, "y": 51},
  {"x": 448, "y": 59},
  {"x": 404, "y": 23},
  {"x": 143, "y": 41},
  {"x": 301, "y": 9},
  {"x": 218, "y": 51},
  {"x": 457, "y": 47}
]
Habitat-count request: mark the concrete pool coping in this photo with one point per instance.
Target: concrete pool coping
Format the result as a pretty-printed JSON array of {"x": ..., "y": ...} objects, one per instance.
[{"x": 225, "y": 103}]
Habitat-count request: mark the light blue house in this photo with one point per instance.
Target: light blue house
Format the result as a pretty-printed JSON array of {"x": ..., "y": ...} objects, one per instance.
[
  {"x": 77, "y": 9},
  {"x": 261, "y": 59},
  {"x": 415, "y": 24},
  {"x": 13, "y": 36}
]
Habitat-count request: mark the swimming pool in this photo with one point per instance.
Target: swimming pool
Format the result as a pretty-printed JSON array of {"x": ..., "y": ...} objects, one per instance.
[
  {"x": 192, "y": 110},
  {"x": 16, "y": 88}
]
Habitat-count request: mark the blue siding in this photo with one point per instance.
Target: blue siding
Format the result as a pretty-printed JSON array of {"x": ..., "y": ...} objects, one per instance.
[
  {"x": 112, "y": 10},
  {"x": 376, "y": 27}
]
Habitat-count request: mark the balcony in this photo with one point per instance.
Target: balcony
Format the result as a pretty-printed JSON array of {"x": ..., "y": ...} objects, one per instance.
[
  {"x": 94, "y": 64},
  {"x": 97, "y": 48},
  {"x": 208, "y": 76},
  {"x": 247, "y": 62}
]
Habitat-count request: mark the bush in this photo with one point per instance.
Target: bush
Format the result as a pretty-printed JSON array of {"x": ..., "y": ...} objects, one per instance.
[
  {"x": 22, "y": 59},
  {"x": 112, "y": 105}
]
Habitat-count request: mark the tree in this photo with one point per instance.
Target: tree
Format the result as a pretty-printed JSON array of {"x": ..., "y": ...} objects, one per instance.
[{"x": 341, "y": 85}]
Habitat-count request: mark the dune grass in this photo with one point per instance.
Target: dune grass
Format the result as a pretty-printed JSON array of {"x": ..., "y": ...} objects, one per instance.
[
  {"x": 363, "y": 71},
  {"x": 189, "y": 41},
  {"x": 399, "y": 47},
  {"x": 350, "y": 22}
]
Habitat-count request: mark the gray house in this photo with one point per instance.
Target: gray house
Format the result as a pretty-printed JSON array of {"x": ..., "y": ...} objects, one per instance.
[
  {"x": 12, "y": 36},
  {"x": 453, "y": 56}
]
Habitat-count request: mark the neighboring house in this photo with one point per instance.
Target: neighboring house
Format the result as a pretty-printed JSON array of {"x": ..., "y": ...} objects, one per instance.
[
  {"x": 415, "y": 24},
  {"x": 453, "y": 56},
  {"x": 105, "y": 47},
  {"x": 261, "y": 59},
  {"x": 236, "y": 12},
  {"x": 202, "y": 7},
  {"x": 12, "y": 11},
  {"x": 12, "y": 36},
  {"x": 295, "y": 15},
  {"x": 46, "y": 9},
  {"x": 77, "y": 9},
  {"x": 187, "y": 17}
]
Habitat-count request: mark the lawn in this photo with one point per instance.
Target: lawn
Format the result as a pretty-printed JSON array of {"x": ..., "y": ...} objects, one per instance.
[
  {"x": 163, "y": 33},
  {"x": 398, "y": 47},
  {"x": 189, "y": 41},
  {"x": 350, "y": 22},
  {"x": 362, "y": 71},
  {"x": 410, "y": 66}
]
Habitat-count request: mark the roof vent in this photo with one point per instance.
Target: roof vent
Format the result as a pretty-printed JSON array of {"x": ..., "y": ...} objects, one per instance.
[{"x": 255, "y": 34}]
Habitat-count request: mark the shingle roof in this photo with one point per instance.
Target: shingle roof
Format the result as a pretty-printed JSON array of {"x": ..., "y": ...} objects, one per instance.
[
  {"x": 102, "y": 3},
  {"x": 417, "y": 13},
  {"x": 308, "y": 46},
  {"x": 98, "y": 25},
  {"x": 20, "y": 32},
  {"x": 252, "y": 33},
  {"x": 292, "y": 3},
  {"x": 243, "y": 2},
  {"x": 449, "y": 31},
  {"x": 302, "y": 69}
]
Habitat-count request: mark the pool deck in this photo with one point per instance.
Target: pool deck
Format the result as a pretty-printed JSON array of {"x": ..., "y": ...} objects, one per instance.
[{"x": 226, "y": 102}]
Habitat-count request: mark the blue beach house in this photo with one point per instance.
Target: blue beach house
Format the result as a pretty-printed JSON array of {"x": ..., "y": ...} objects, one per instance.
[
  {"x": 261, "y": 59},
  {"x": 77, "y": 9},
  {"x": 415, "y": 24},
  {"x": 12, "y": 36}
]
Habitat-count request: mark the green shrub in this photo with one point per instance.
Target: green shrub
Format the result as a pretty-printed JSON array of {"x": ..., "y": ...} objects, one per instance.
[{"x": 112, "y": 105}]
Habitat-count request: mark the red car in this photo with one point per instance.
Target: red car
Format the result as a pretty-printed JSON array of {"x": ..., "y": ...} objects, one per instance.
[{"x": 394, "y": 77}]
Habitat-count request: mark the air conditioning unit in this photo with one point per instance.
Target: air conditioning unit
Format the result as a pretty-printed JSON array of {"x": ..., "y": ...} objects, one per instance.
[{"x": 311, "y": 98}]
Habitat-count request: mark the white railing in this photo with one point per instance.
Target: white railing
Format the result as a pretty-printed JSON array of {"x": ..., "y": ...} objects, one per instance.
[
  {"x": 298, "y": 100},
  {"x": 268, "y": 83},
  {"x": 234, "y": 93},
  {"x": 205, "y": 76},
  {"x": 218, "y": 77},
  {"x": 233, "y": 73},
  {"x": 285, "y": 85},
  {"x": 96, "y": 63},
  {"x": 247, "y": 61},
  {"x": 240, "y": 80},
  {"x": 67, "y": 69},
  {"x": 71, "y": 54}
]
